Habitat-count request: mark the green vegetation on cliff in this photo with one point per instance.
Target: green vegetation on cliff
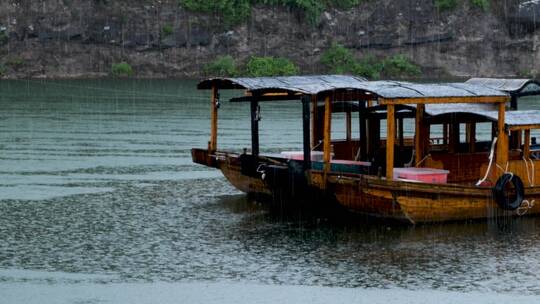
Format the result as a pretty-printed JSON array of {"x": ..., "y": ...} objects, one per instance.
[
  {"x": 122, "y": 69},
  {"x": 15, "y": 62},
  {"x": 232, "y": 11},
  {"x": 337, "y": 59},
  {"x": 341, "y": 60},
  {"x": 481, "y": 4},
  {"x": 225, "y": 66},
  {"x": 445, "y": 5},
  {"x": 3, "y": 38},
  {"x": 448, "y": 5},
  {"x": 399, "y": 66},
  {"x": 167, "y": 30},
  {"x": 270, "y": 66},
  {"x": 236, "y": 11}
]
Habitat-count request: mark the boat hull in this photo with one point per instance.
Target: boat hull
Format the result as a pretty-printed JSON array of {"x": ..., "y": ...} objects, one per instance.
[
  {"x": 420, "y": 202},
  {"x": 407, "y": 202}
]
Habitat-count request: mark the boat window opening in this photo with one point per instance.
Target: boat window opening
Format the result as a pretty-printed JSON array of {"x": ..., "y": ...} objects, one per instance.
[
  {"x": 345, "y": 136},
  {"x": 534, "y": 147},
  {"x": 408, "y": 128},
  {"x": 339, "y": 126},
  {"x": 473, "y": 137},
  {"x": 287, "y": 122},
  {"x": 382, "y": 129},
  {"x": 436, "y": 136},
  {"x": 515, "y": 140},
  {"x": 535, "y": 136},
  {"x": 483, "y": 137},
  {"x": 462, "y": 133}
]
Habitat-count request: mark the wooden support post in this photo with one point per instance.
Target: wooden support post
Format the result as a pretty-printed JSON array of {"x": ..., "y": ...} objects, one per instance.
[
  {"x": 514, "y": 102},
  {"x": 363, "y": 133},
  {"x": 314, "y": 126},
  {"x": 453, "y": 144},
  {"x": 327, "y": 133},
  {"x": 254, "y": 127},
  {"x": 374, "y": 136},
  {"x": 445, "y": 134},
  {"x": 419, "y": 139},
  {"x": 306, "y": 99},
  {"x": 502, "y": 139},
  {"x": 212, "y": 145},
  {"x": 471, "y": 136},
  {"x": 401, "y": 133},
  {"x": 390, "y": 140},
  {"x": 527, "y": 144},
  {"x": 348, "y": 125},
  {"x": 513, "y": 140}
]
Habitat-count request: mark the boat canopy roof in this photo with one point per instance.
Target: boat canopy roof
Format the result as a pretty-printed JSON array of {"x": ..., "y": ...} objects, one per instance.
[
  {"x": 404, "y": 90},
  {"x": 516, "y": 87},
  {"x": 312, "y": 85},
  {"x": 439, "y": 109},
  {"x": 514, "y": 120},
  {"x": 295, "y": 84}
]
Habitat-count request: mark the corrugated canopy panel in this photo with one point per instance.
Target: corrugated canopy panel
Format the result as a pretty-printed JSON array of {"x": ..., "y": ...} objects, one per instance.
[
  {"x": 513, "y": 86},
  {"x": 512, "y": 118},
  {"x": 300, "y": 84},
  {"x": 397, "y": 89},
  {"x": 517, "y": 118},
  {"x": 326, "y": 83},
  {"x": 438, "y": 109}
]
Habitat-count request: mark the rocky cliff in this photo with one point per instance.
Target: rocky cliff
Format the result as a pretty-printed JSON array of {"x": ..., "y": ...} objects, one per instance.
[{"x": 84, "y": 38}]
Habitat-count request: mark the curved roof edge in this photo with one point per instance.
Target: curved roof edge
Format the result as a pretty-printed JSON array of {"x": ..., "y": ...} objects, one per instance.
[
  {"x": 519, "y": 87},
  {"x": 327, "y": 83},
  {"x": 299, "y": 84},
  {"x": 511, "y": 119}
]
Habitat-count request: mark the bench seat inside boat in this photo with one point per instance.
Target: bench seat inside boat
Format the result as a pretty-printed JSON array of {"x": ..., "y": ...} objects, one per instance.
[
  {"x": 337, "y": 165},
  {"x": 345, "y": 166}
]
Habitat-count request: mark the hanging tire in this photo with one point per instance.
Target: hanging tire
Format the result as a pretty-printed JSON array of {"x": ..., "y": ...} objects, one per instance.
[{"x": 501, "y": 196}]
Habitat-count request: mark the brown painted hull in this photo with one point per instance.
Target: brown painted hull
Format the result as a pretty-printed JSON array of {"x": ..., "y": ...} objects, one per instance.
[
  {"x": 418, "y": 202},
  {"x": 396, "y": 200},
  {"x": 230, "y": 166},
  {"x": 247, "y": 184}
]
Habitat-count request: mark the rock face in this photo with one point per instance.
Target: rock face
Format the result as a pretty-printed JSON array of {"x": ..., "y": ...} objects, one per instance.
[{"x": 83, "y": 38}]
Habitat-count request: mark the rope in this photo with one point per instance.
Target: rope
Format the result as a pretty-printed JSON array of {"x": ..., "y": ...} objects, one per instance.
[
  {"x": 527, "y": 169},
  {"x": 505, "y": 170},
  {"x": 533, "y": 175},
  {"x": 525, "y": 206},
  {"x": 491, "y": 157},
  {"x": 320, "y": 142},
  {"x": 409, "y": 164},
  {"x": 423, "y": 159}
]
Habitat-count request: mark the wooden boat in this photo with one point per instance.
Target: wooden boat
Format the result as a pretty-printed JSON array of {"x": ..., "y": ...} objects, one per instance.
[{"x": 430, "y": 177}]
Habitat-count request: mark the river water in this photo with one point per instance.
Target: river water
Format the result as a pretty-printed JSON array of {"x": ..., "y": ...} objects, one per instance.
[{"x": 100, "y": 203}]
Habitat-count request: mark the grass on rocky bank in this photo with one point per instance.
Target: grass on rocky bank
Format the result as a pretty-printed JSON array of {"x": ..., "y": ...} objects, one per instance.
[
  {"x": 232, "y": 12},
  {"x": 449, "y": 5},
  {"x": 121, "y": 69},
  {"x": 226, "y": 66},
  {"x": 337, "y": 60},
  {"x": 235, "y": 11}
]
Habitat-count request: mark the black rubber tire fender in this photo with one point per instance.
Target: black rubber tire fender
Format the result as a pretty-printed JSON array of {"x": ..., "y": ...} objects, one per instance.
[{"x": 500, "y": 195}]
